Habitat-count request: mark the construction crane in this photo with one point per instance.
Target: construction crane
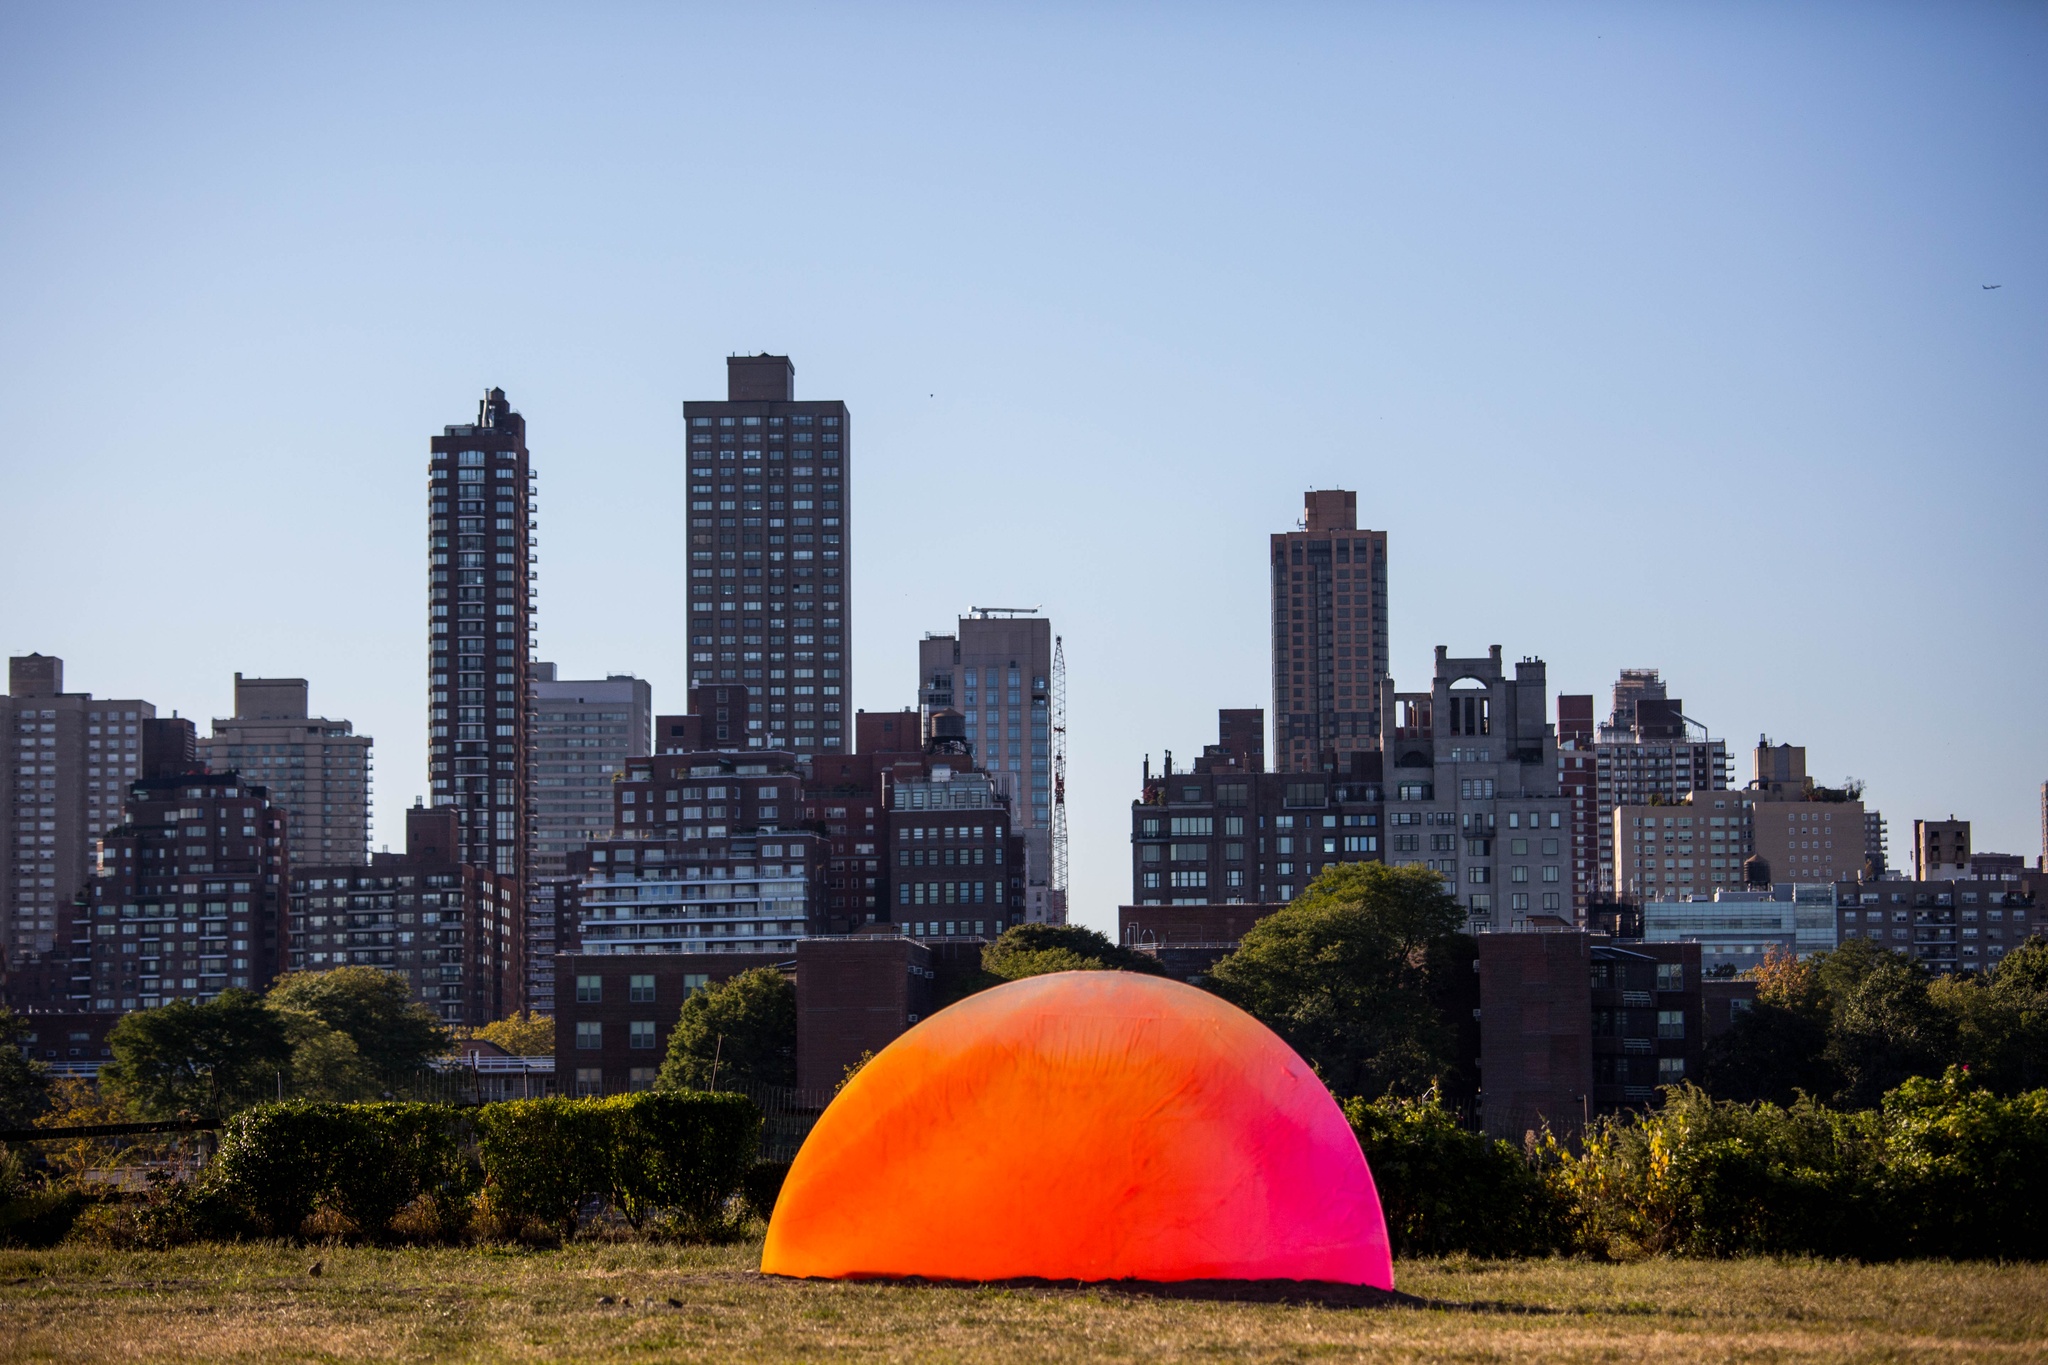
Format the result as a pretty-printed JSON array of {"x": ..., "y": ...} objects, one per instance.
[{"x": 1059, "y": 776}]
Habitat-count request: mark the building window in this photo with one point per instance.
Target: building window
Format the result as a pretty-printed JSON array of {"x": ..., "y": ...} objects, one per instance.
[
  {"x": 589, "y": 990},
  {"x": 640, "y": 989},
  {"x": 1670, "y": 976},
  {"x": 641, "y": 1034},
  {"x": 589, "y": 1035},
  {"x": 589, "y": 1080},
  {"x": 641, "y": 1078},
  {"x": 1670, "y": 1023},
  {"x": 1670, "y": 1070}
]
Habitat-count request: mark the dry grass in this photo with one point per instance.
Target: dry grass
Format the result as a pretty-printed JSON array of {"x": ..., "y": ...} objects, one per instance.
[{"x": 258, "y": 1303}]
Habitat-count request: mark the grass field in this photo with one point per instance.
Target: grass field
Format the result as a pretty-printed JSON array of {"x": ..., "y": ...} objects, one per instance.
[{"x": 260, "y": 1303}]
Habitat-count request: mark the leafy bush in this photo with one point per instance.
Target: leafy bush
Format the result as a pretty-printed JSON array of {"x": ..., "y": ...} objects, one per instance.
[
  {"x": 1942, "y": 1169},
  {"x": 684, "y": 1153},
  {"x": 543, "y": 1158},
  {"x": 763, "y": 1186},
  {"x": 1445, "y": 1190},
  {"x": 281, "y": 1162},
  {"x": 40, "y": 1218}
]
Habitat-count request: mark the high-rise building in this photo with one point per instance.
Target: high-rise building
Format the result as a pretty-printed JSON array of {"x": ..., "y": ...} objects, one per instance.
[
  {"x": 317, "y": 769},
  {"x": 69, "y": 760},
  {"x": 1647, "y": 749},
  {"x": 1329, "y": 636},
  {"x": 188, "y": 899},
  {"x": 1578, "y": 778},
  {"x": 1472, "y": 790},
  {"x": 584, "y": 731},
  {"x": 771, "y": 555},
  {"x": 480, "y": 636},
  {"x": 996, "y": 671}
]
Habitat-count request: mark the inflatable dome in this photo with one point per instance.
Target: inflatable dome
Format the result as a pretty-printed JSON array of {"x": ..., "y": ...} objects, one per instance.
[{"x": 1083, "y": 1126}]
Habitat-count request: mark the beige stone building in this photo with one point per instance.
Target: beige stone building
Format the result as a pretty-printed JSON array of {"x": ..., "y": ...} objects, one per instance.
[
  {"x": 317, "y": 769},
  {"x": 1692, "y": 847}
]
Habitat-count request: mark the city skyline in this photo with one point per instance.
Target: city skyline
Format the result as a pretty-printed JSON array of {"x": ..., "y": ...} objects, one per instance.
[{"x": 1653, "y": 328}]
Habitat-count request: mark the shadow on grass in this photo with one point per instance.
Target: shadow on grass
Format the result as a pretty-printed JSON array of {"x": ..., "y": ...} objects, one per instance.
[{"x": 1322, "y": 1293}]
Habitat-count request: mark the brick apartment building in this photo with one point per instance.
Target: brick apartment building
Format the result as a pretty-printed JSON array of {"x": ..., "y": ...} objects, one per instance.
[
  {"x": 450, "y": 929},
  {"x": 188, "y": 900},
  {"x": 1329, "y": 587},
  {"x": 63, "y": 781},
  {"x": 771, "y": 550},
  {"x": 1228, "y": 832}
]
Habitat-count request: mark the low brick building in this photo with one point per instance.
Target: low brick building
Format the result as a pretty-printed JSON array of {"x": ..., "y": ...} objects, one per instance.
[
  {"x": 614, "y": 1015},
  {"x": 1573, "y": 1026}
]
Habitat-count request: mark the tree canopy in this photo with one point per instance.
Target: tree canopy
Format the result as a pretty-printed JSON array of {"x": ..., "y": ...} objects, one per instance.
[
  {"x": 207, "y": 1059},
  {"x": 1345, "y": 973},
  {"x": 522, "y": 1033},
  {"x": 24, "y": 1084},
  {"x": 393, "y": 1033},
  {"x": 1849, "y": 1025},
  {"x": 1036, "y": 949},
  {"x": 742, "y": 1030}
]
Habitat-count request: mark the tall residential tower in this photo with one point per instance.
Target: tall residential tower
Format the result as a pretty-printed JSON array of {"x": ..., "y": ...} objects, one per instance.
[
  {"x": 1329, "y": 636},
  {"x": 770, "y": 556},
  {"x": 480, "y": 633},
  {"x": 997, "y": 672},
  {"x": 317, "y": 769}
]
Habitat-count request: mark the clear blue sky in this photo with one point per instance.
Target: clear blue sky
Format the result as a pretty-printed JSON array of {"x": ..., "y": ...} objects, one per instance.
[{"x": 1653, "y": 335}]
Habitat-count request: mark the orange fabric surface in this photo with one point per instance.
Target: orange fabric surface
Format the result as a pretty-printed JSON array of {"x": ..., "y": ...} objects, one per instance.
[{"x": 1083, "y": 1125}]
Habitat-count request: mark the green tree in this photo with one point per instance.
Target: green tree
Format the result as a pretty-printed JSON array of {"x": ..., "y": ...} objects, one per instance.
[
  {"x": 1345, "y": 975},
  {"x": 393, "y": 1033},
  {"x": 1885, "y": 1026},
  {"x": 325, "y": 1063},
  {"x": 1771, "y": 1052},
  {"x": 1036, "y": 949},
  {"x": 24, "y": 1084},
  {"x": 209, "y": 1059},
  {"x": 523, "y": 1033},
  {"x": 2018, "y": 986},
  {"x": 743, "y": 1030}
]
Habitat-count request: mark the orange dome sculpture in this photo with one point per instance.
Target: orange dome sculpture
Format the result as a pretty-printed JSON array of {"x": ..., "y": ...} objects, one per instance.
[{"x": 1084, "y": 1126}]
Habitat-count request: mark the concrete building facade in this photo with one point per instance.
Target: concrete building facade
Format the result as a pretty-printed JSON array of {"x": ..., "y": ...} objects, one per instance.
[
  {"x": 996, "y": 671},
  {"x": 68, "y": 763},
  {"x": 1648, "y": 748},
  {"x": 1329, "y": 593},
  {"x": 1472, "y": 791},
  {"x": 1696, "y": 845},
  {"x": 771, "y": 554},
  {"x": 584, "y": 731},
  {"x": 318, "y": 769}
]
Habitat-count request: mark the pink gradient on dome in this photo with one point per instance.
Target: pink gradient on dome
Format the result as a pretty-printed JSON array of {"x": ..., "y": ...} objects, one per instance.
[{"x": 1087, "y": 1126}]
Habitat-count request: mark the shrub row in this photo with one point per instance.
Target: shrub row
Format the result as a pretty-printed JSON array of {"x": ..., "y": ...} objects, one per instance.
[
  {"x": 1941, "y": 1170},
  {"x": 524, "y": 1168}
]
